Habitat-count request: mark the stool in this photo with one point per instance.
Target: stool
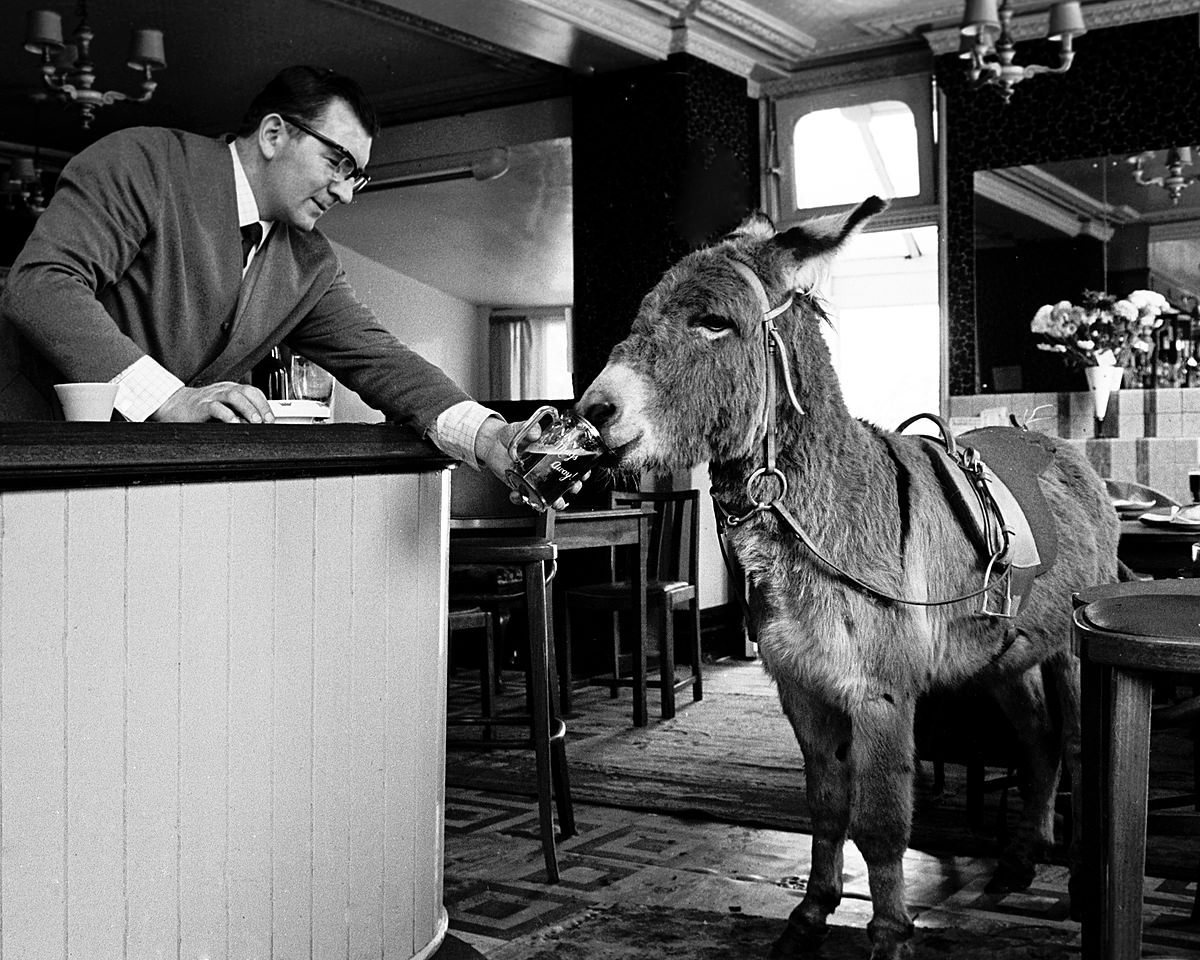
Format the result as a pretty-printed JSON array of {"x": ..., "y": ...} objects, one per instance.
[
  {"x": 1122, "y": 641},
  {"x": 547, "y": 732}
]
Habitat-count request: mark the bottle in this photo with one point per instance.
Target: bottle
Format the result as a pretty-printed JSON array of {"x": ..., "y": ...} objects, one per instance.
[{"x": 270, "y": 375}]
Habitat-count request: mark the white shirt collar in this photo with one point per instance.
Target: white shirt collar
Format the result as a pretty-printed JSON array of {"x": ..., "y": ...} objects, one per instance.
[{"x": 247, "y": 206}]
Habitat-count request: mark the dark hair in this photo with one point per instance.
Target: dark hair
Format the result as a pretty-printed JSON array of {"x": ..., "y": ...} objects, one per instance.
[{"x": 304, "y": 92}]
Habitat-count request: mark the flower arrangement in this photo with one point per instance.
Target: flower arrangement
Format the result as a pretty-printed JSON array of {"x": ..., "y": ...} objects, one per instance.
[{"x": 1102, "y": 330}]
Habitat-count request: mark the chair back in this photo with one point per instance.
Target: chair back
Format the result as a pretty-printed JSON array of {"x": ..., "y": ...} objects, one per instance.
[{"x": 674, "y": 549}]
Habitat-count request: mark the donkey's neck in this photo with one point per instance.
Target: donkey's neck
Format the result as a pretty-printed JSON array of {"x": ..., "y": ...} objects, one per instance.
[{"x": 835, "y": 466}]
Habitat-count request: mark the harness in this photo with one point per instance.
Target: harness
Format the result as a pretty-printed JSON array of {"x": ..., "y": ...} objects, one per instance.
[{"x": 997, "y": 535}]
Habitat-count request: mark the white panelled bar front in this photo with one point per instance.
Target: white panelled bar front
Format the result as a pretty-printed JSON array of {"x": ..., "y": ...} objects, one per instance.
[{"x": 222, "y": 718}]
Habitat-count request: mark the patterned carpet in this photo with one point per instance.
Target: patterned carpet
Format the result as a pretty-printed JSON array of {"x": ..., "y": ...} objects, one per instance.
[{"x": 691, "y": 834}]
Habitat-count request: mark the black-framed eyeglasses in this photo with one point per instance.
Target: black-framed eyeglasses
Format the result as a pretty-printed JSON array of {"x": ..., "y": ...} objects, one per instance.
[{"x": 347, "y": 167}]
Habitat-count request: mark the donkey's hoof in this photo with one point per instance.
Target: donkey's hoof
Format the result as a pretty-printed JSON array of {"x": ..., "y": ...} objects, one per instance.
[
  {"x": 1011, "y": 876},
  {"x": 890, "y": 940},
  {"x": 799, "y": 940}
]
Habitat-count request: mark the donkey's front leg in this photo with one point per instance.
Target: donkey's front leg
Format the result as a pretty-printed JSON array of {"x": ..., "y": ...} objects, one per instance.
[
  {"x": 824, "y": 737},
  {"x": 881, "y": 760}
]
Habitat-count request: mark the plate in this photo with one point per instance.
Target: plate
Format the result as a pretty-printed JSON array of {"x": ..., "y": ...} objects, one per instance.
[
  {"x": 1131, "y": 509},
  {"x": 299, "y": 411},
  {"x": 1133, "y": 504},
  {"x": 1167, "y": 517}
]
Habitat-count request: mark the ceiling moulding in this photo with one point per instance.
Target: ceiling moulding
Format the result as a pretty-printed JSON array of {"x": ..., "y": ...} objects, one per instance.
[
  {"x": 612, "y": 20},
  {"x": 825, "y": 76},
  {"x": 385, "y": 12},
  {"x": 1098, "y": 16},
  {"x": 1046, "y": 199},
  {"x": 732, "y": 34}
]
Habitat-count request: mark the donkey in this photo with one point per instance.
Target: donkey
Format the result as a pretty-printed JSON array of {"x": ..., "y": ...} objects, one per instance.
[{"x": 845, "y": 635}]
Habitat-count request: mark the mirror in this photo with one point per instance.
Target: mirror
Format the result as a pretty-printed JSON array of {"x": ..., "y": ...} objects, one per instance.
[{"x": 1047, "y": 232}]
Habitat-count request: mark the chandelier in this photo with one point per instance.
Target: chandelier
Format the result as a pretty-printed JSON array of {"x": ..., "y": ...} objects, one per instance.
[
  {"x": 989, "y": 47},
  {"x": 1174, "y": 181},
  {"x": 68, "y": 70}
]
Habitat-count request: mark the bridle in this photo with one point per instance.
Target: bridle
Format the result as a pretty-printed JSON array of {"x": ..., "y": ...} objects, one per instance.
[{"x": 776, "y": 356}]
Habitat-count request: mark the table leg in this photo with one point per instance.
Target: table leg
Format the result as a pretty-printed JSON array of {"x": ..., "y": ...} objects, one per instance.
[
  {"x": 1088, "y": 889},
  {"x": 1128, "y": 789},
  {"x": 638, "y": 585}
]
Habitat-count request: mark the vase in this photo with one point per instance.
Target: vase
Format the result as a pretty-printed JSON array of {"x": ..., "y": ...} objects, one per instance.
[{"x": 1102, "y": 381}]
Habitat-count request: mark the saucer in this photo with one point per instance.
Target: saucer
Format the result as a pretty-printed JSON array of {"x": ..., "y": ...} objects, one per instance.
[
  {"x": 1169, "y": 517},
  {"x": 299, "y": 411}
]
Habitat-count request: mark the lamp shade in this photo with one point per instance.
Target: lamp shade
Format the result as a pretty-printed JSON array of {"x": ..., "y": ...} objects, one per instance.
[
  {"x": 980, "y": 15},
  {"x": 1066, "y": 20},
  {"x": 22, "y": 169},
  {"x": 146, "y": 50},
  {"x": 43, "y": 30}
]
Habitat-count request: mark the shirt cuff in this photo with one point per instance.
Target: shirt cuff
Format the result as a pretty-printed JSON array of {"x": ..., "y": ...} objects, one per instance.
[
  {"x": 456, "y": 427},
  {"x": 143, "y": 387}
]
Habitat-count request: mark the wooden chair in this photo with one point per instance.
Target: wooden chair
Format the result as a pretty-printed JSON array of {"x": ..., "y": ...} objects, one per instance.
[
  {"x": 1128, "y": 490},
  {"x": 1126, "y": 636},
  {"x": 547, "y": 732},
  {"x": 672, "y": 583}
]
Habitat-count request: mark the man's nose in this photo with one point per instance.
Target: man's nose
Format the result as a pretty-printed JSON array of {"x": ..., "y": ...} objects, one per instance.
[{"x": 343, "y": 190}]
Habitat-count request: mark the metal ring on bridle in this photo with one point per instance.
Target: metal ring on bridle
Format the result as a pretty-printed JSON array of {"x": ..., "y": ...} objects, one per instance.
[{"x": 760, "y": 473}]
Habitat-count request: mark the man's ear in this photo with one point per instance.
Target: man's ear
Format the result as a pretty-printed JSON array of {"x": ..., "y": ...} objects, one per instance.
[{"x": 272, "y": 134}]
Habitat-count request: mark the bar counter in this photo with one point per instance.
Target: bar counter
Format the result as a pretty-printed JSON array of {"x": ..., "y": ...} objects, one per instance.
[{"x": 222, "y": 690}]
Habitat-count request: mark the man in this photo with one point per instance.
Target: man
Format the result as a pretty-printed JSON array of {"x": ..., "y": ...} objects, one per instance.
[{"x": 136, "y": 273}]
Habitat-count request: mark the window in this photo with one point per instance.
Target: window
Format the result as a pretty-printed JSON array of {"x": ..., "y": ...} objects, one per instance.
[
  {"x": 836, "y": 147},
  {"x": 885, "y": 325},
  {"x": 530, "y": 354},
  {"x": 845, "y": 153}
]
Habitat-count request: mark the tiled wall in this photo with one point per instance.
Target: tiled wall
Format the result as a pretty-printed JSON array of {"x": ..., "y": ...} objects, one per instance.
[{"x": 1149, "y": 436}]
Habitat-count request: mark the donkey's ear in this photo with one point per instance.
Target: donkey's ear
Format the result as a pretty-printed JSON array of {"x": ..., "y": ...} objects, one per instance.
[
  {"x": 814, "y": 243},
  {"x": 756, "y": 226}
]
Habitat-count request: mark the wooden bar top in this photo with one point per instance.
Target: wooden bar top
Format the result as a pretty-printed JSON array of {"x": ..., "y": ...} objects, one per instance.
[{"x": 44, "y": 454}]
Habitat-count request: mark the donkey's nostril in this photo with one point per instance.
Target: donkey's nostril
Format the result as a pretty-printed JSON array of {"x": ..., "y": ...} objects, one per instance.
[{"x": 599, "y": 413}]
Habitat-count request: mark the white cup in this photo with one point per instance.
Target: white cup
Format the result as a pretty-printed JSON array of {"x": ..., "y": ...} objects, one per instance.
[{"x": 86, "y": 401}]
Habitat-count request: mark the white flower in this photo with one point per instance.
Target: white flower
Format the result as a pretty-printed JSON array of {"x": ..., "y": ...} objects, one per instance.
[
  {"x": 1148, "y": 301},
  {"x": 1041, "y": 319},
  {"x": 1125, "y": 310}
]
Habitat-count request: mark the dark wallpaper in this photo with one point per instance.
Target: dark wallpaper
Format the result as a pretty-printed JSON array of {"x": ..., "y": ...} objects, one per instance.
[{"x": 664, "y": 160}]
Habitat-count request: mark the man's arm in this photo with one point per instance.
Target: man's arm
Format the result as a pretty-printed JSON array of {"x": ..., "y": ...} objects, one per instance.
[{"x": 91, "y": 231}]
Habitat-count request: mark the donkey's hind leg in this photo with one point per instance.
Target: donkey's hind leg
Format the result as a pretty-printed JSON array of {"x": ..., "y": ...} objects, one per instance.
[
  {"x": 1023, "y": 699},
  {"x": 824, "y": 736}
]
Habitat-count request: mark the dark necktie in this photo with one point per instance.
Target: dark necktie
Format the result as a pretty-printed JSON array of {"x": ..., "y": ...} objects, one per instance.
[{"x": 251, "y": 235}]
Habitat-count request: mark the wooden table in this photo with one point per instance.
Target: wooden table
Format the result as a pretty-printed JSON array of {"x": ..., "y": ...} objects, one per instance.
[
  {"x": 1160, "y": 550},
  {"x": 589, "y": 529}
]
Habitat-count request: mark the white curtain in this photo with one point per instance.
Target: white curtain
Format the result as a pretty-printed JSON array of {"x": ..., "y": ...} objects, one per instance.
[{"x": 529, "y": 355}]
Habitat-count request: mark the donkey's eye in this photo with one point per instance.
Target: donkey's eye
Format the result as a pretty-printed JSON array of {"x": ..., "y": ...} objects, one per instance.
[{"x": 711, "y": 325}]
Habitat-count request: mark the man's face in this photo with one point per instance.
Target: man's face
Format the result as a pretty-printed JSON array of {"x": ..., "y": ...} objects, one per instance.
[{"x": 300, "y": 175}]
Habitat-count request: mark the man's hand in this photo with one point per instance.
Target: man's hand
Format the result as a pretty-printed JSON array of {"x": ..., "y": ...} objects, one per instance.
[
  {"x": 227, "y": 401},
  {"x": 491, "y": 448}
]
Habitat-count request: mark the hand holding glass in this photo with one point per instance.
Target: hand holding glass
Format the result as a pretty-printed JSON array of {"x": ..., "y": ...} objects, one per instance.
[{"x": 546, "y": 468}]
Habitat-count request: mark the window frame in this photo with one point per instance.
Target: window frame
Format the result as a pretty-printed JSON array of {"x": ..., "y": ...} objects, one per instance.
[{"x": 915, "y": 90}]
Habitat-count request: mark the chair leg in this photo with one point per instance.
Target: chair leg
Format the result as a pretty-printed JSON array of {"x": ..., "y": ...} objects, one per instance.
[
  {"x": 539, "y": 681},
  {"x": 487, "y": 679},
  {"x": 564, "y": 691},
  {"x": 697, "y": 656},
  {"x": 666, "y": 662},
  {"x": 615, "y": 688}
]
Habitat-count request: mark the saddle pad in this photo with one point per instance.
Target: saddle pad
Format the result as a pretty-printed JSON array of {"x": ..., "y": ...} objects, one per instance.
[{"x": 1018, "y": 457}]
